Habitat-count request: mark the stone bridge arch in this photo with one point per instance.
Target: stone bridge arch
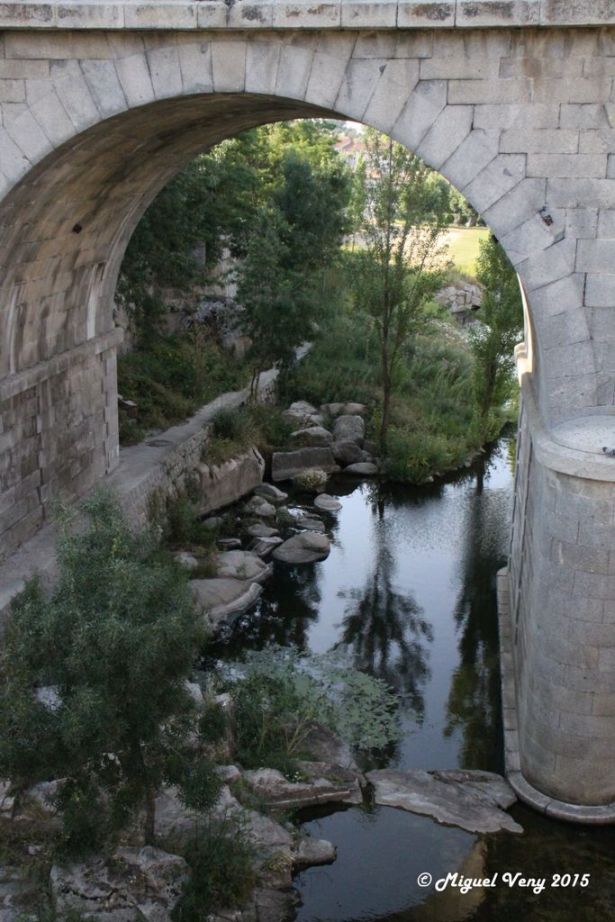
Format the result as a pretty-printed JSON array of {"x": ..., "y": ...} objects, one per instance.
[{"x": 521, "y": 120}]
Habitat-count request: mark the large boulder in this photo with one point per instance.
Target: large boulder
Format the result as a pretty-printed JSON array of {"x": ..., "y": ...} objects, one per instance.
[
  {"x": 311, "y": 436},
  {"x": 306, "y": 547},
  {"x": 473, "y": 800},
  {"x": 242, "y": 565},
  {"x": 287, "y": 464},
  {"x": 350, "y": 428},
  {"x": 347, "y": 452},
  {"x": 301, "y": 413},
  {"x": 223, "y": 484},
  {"x": 132, "y": 885},
  {"x": 222, "y": 598}
]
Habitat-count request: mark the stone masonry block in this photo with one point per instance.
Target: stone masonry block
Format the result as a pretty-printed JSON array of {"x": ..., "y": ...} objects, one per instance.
[
  {"x": 396, "y": 82},
  {"x": 600, "y": 290},
  {"x": 475, "y": 152},
  {"x": 518, "y": 115},
  {"x": 358, "y": 86},
  {"x": 517, "y": 206},
  {"x": 596, "y": 256},
  {"x": 580, "y": 193},
  {"x": 104, "y": 85},
  {"x": 498, "y": 178},
  {"x": 574, "y": 166},
  {"x": 195, "y": 66},
  {"x": 325, "y": 79},
  {"x": 428, "y": 14},
  {"x": 420, "y": 112},
  {"x": 165, "y": 71},
  {"x": 135, "y": 79},
  {"x": 229, "y": 66},
  {"x": 450, "y": 129},
  {"x": 537, "y": 141},
  {"x": 294, "y": 71},
  {"x": 479, "y": 92}
]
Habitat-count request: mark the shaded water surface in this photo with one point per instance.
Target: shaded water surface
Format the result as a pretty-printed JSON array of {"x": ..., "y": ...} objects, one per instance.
[{"x": 409, "y": 590}]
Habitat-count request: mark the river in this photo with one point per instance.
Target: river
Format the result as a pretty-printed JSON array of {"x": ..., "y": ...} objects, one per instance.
[{"x": 409, "y": 589}]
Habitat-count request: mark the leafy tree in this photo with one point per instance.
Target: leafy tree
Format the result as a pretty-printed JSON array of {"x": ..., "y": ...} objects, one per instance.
[
  {"x": 494, "y": 341},
  {"x": 292, "y": 241},
  {"x": 401, "y": 231},
  {"x": 92, "y": 679}
]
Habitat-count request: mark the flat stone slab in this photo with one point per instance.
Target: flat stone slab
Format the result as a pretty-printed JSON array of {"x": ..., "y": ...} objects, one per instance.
[
  {"x": 264, "y": 546},
  {"x": 362, "y": 469},
  {"x": 473, "y": 800},
  {"x": 321, "y": 783},
  {"x": 327, "y": 503},
  {"x": 311, "y": 436},
  {"x": 306, "y": 547},
  {"x": 220, "y": 598}
]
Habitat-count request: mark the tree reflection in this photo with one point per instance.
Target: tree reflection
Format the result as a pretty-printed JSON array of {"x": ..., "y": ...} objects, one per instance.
[
  {"x": 473, "y": 701},
  {"x": 384, "y": 628}
]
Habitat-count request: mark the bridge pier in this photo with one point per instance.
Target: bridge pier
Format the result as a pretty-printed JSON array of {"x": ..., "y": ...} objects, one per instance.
[{"x": 557, "y": 618}]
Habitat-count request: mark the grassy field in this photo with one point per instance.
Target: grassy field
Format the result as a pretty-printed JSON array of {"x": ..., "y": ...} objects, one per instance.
[{"x": 463, "y": 247}]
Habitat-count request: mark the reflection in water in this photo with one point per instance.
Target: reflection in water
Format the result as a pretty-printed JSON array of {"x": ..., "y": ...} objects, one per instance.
[
  {"x": 384, "y": 627},
  {"x": 411, "y": 580},
  {"x": 473, "y": 705}
]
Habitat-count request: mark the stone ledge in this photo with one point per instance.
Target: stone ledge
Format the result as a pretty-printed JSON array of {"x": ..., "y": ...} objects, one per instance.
[
  {"x": 598, "y": 815},
  {"x": 304, "y": 14},
  {"x": 562, "y": 448},
  {"x": 23, "y": 380}
]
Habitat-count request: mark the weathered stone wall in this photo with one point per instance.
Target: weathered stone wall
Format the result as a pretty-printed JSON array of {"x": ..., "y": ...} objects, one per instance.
[
  {"x": 58, "y": 435},
  {"x": 563, "y": 614}
]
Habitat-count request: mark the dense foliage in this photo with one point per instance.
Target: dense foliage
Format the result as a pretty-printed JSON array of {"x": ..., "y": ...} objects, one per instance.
[
  {"x": 401, "y": 227},
  {"x": 279, "y": 694},
  {"x": 92, "y": 679},
  {"x": 494, "y": 340}
]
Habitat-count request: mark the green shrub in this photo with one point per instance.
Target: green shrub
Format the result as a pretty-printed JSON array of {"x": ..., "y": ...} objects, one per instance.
[
  {"x": 221, "y": 859},
  {"x": 213, "y": 723},
  {"x": 279, "y": 693},
  {"x": 116, "y": 639}
]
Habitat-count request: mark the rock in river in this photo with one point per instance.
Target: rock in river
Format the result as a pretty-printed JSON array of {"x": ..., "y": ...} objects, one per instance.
[
  {"x": 362, "y": 469},
  {"x": 271, "y": 493},
  {"x": 243, "y": 565},
  {"x": 306, "y": 547},
  {"x": 287, "y": 464},
  {"x": 221, "y": 598},
  {"x": 347, "y": 452},
  {"x": 473, "y": 800},
  {"x": 327, "y": 503},
  {"x": 349, "y": 428},
  {"x": 312, "y": 435}
]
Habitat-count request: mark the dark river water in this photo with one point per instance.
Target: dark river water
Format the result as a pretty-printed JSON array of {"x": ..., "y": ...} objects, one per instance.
[{"x": 409, "y": 590}]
